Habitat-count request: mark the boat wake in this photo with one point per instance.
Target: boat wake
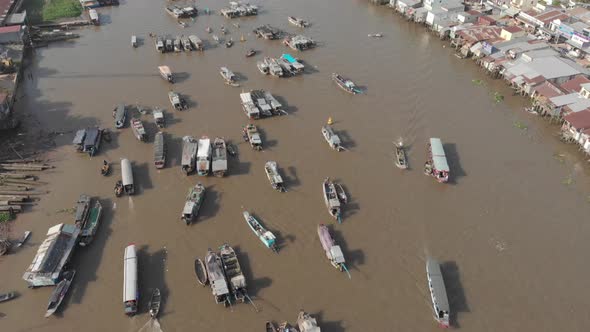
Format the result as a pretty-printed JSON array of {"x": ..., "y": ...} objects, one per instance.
[{"x": 151, "y": 326}]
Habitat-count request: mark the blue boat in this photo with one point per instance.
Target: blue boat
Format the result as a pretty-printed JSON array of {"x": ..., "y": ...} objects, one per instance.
[
  {"x": 295, "y": 65},
  {"x": 264, "y": 235}
]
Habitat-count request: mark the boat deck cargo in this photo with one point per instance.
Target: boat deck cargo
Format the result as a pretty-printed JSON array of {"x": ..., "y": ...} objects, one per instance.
[
  {"x": 437, "y": 165},
  {"x": 130, "y": 291},
  {"x": 204, "y": 156},
  {"x": 299, "y": 42},
  {"x": 53, "y": 253},
  {"x": 438, "y": 292},
  {"x": 88, "y": 140},
  {"x": 219, "y": 158},
  {"x": 239, "y": 9},
  {"x": 268, "y": 32},
  {"x": 159, "y": 150},
  {"x": 333, "y": 251},
  {"x": 233, "y": 272},
  {"x": 189, "y": 154},
  {"x": 196, "y": 42},
  {"x": 216, "y": 277}
]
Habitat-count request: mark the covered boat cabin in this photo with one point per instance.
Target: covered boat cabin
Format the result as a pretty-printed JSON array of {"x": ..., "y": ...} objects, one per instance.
[
  {"x": 92, "y": 140},
  {"x": 438, "y": 160},
  {"x": 120, "y": 115},
  {"x": 127, "y": 176},
  {"x": 166, "y": 73},
  {"x": 438, "y": 292},
  {"x": 53, "y": 254},
  {"x": 159, "y": 150},
  {"x": 130, "y": 291},
  {"x": 296, "y": 66}
]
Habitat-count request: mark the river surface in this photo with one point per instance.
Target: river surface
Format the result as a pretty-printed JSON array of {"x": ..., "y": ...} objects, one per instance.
[{"x": 511, "y": 229}]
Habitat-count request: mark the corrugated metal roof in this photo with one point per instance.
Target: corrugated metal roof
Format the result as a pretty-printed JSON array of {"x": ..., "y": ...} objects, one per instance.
[
  {"x": 579, "y": 120},
  {"x": 437, "y": 284}
]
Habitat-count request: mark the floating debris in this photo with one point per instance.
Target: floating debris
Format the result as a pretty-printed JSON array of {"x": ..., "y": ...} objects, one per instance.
[
  {"x": 477, "y": 82},
  {"x": 520, "y": 125},
  {"x": 498, "y": 97},
  {"x": 568, "y": 181}
]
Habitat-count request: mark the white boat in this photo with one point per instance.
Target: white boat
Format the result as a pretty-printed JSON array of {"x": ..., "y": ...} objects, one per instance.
[
  {"x": 262, "y": 233},
  {"x": 252, "y": 136},
  {"x": 298, "y": 22},
  {"x": 437, "y": 165},
  {"x": 438, "y": 292},
  {"x": 196, "y": 42},
  {"x": 263, "y": 67},
  {"x": 376, "y": 35},
  {"x": 400, "y": 156},
  {"x": 204, "y": 156},
  {"x": 332, "y": 139},
  {"x": 127, "y": 177},
  {"x": 272, "y": 172},
  {"x": 228, "y": 76},
  {"x": 130, "y": 290},
  {"x": 159, "y": 119},
  {"x": 166, "y": 73},
  {"x": 159, "y": 150},
  {"x": 177, "y": 101},
  {"x": 134, "y": 41}
]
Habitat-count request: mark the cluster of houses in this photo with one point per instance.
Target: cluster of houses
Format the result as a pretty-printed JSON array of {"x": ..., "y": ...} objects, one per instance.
[{"x": 541, "y": 49}]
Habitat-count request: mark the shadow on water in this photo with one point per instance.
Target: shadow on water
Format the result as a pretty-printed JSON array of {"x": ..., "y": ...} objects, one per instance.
[
  {"x": 254, "y": 285},
  {"x": 347, "y": 141},
  {"x": 455, "y": 291},
  {"x": 87, "y": 259},
  {"x": 290, "y": 109},
  {"x": 241, "y": 77},
  {"x": 181, "y": 77},
  {"x": 456, "y": 171},
  {"x": 328, "y": 326},
  {"x": 291, "y": 178},
  {"x": 173, "y": 150},
  {"x": 170, "y": 118},
  {"x": 267, "y": 144},
  {"x": 351, "y": 207},
  {"x": 113, "y": 144},
  {"x": 354, "y": 258},
  {"x": 151, "y": 269},
  {"x": 237, "y": 167},
  {"x": 210, "y": 205},
  {"x": 141, "y": 177}
]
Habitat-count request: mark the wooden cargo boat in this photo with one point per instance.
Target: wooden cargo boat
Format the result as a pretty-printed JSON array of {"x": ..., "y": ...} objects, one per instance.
[
  {"x": 160, "y": 47},
  {"x": 298, "y": 22},
  {"x": 120, "y": 115},
  {"x": 219, "y": 158},
  {"x": 332, "y": 139},
  {"x": 216, "y": 277},
  {"x": 252, "y": 136},
  {"x": 138, "y": 130},
  {"x": 233, "y": 272},
  {"x": 159, "y": 119},
  {"x": 177, "y": 44},
  {"x": 400, "y": 156},
  {"x": 186, "y": 44},
  {"x": 159, "y": 150},
  {"x": 193, "y": 203},
  {"x": 201, "y": 272},
  {"x": 436, "y": 165},
  {"x": 331, "y": 199},
  {"x": 88, "y": 230},
  {"x": 333, "y": 251},
  {"x": 438, "y": 292},
  {"x": 60, "y": 291},
  {"x": 272, "y": 172},
  {"x": 189, "y": 154},
  {"x": 265, "y": 236},
  {"x": 196, "y": 42},
  {"x": 306, "y": 323},
  {"x": 154, "y": 304},
  {"x": 177, "y": 101},
  {"x": 345, "y": 84},
  {"x": 228, "y": 76}
]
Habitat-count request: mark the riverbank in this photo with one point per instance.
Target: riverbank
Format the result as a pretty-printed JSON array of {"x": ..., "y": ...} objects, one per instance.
[{"x": 43, "y": 11}]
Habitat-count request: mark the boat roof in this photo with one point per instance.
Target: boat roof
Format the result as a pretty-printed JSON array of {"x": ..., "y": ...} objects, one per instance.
[
  {"x": 158, "y": 114},
  {"x": 289, "y": 58},
  {"x": 188, "y": 207},
  {"x": 337, "y": 255},
  {"x": 439, "y": 158},
  {"x": 130, "y": 274},
  {"x": 126, "y": 172},
  {"x": 55, "y": 250},
  {"x": 204, "y": 147},
  {"x": 79, "y": 138},
  {"x": 437, "y": 283},
  {"x": 164, "y": 69},
  {"x": 91, "y": 136}
]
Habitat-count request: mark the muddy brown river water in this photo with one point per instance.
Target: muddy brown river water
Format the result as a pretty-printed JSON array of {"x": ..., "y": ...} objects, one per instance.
[{"x": 511, "y": 229}]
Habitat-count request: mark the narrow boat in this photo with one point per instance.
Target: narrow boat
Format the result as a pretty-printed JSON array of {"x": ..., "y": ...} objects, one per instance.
[
  {"x": 272, "y": 172},
  {"x": 127, "y": 177},
  {"x": 251, "y": 52},
  {"x": 120, "y": 115},
  {"x": 229, "y": 43},
  {"x": 186, "y": 44},
  {"x": 119, "y": 188},
  {"x": 307, "y": 323},
  {"x": 60, "y": 291},
  {"x": 159, "y": 119},
  {"x": 177, "y": 44},
  {"x": 138, "y": 129},
  {"x": 252, "y": 136},
  {"x": 216, "y": 277},
  {"x": 341, "y": 193},
  {"x": 438, "y": 292},
  {"x": 201, "y": 272},
  {"x": 400, "y": 156},
  {"x": 134, "y": 41},
  {"x": 204, "y": 156},
  {"x": 189, "y": 154},
  {"x": 105, "y": 169},
  {"x": 196, "y": 42},
  {"x": 263, "y": 67},
  {"x": 331, "y": 198},
  {"x": 177, "y": 102},
  {"x": 159, "y": 150},
  {"x": 270, "y": 327},
  {"x": 375, "y": 35},
  {"x": 160, "y": 45},
  {"x": 7, "y": 296},
  {"x": 437, "y": 165},
  {"x": 232, "y": 150},
  {"x": 23, "y": 239},
  {"x": 298, "y": 22},
  {"x": 88, "y": 230},
  {"x": 332, "y": 139},
  {"x": 228, "y": 76},
  {"x": 166, "y": 73},
  {"x": 219, "y": 157},
  {"x": 155, "y": 303},
  {"x": 193, "y": 203},
  {"x": 82, "y": 210},
  {"x": 333, "y": 251},
  {"x": 233, "y": 273},
  {"x": 345, "y": 84},
  {"x": 130, "y": 290},
  {"x": 262, "y": 233}
]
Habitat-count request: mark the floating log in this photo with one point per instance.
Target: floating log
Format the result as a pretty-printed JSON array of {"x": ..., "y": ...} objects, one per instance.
[
  {"x": 16, "y": 176},
  {"x": 19, "y": 182},
  {"x": 20, "y": 161},
  {"x": 13, "y": 198},
  {"x": 13, "y": 208},
  {"x": 21, "y": 193},
  {"x": 13, "y": 188},
  {"x": 5, "y": 203}
]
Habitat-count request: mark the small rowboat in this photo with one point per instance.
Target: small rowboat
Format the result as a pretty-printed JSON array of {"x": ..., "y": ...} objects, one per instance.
[
  {"x": 7, "y": 296},
  {"x": 270, "y": 327},
  {"x": 59, "y": 293},
  {"x": 23, "y": 240},
  {"x": 200, "y": 272},
  {"x": 119, "y": 188},
  {"x": 250, "y": 53},
  {"x": 400, "y": 156},
  {"x": 155, "y": 303}
]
